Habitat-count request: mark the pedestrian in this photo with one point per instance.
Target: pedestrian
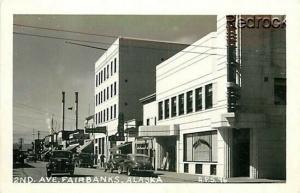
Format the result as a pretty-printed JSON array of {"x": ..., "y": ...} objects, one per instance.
[{"x": 102, "y": 160}]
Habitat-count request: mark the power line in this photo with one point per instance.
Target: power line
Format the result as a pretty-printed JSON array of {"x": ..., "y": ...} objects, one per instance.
[
  {"x": 111, "y": 36},
  {"x": 64, "y": 30}
]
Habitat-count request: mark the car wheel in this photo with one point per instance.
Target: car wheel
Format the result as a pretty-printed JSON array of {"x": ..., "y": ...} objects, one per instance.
[
  {"x": 48, "y": 174},
  {"x": 129, "y": 171},
  {"x": 120, "y": 169}
]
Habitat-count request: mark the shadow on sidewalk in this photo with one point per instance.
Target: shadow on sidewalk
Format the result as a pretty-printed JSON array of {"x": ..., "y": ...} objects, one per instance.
[{"x": 19, "y": 165}]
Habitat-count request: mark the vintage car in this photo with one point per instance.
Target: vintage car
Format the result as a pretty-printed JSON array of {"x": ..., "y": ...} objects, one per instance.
[
  {"x": 114, "y": 161},
  {"x": 60, "y": 162},
  {"x": 136, "y": 163},
  {"x": 84, "y": 160},
  {"x": 31, "y": 158}
]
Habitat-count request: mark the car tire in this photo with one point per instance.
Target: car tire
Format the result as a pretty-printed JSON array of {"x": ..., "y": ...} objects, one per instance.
[
  {"x": 129, "y": 171},
  {"x": 48, "y": 174},
  {"x": 120, "y": 169}
]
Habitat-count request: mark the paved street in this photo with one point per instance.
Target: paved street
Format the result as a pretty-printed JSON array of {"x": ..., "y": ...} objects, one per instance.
[{"x": 37, "y": 173}]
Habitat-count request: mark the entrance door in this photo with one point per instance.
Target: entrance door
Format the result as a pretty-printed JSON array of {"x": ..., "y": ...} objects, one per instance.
[{"x": 241, "y": 152}]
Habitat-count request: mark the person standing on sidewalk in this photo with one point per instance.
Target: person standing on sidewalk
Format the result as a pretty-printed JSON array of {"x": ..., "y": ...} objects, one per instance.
[{"x": 102, "y": 160}]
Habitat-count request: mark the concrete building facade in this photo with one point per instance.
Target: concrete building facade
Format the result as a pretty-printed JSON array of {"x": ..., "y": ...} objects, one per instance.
[
  {"x": 124, "y": 74},
  {"x": 220, "y": 105}
]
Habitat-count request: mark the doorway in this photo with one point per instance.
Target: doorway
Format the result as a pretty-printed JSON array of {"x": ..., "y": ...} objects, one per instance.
[{"x": 241, "y": 152}]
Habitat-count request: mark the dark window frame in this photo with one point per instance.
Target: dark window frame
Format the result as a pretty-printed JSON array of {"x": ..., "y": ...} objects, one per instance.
[
  {"x": 189, "y": 102},
  {"x": 167, "y": 108},
  {"x": 160, "y": 110},
  {"x": 174, "y": 106},
  {"x": 198, "y": 99},
  {"x": 181, "y": 104},
  {"x": 209, "y": 96}
]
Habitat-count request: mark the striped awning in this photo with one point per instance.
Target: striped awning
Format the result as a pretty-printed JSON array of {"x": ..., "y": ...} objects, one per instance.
[{"x": 158, "y": 130}]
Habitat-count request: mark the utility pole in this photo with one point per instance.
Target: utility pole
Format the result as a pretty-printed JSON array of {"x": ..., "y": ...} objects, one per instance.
[
  {"x": 76, "y": 110},
  {"x": 63, "y": 110},
  {"x": 33, "y": 135},
  {"x": 21, "y": 143}
]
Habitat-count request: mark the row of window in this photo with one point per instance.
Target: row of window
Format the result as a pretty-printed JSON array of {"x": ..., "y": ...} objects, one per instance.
[
  {"x": 103, "y": 75},
  {"x": 107, "y": 93},
  {"x": 191, "y": 103},
  {"x": 106, "y": 114}
]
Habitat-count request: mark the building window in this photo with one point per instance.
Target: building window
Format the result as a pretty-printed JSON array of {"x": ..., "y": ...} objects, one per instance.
[
  {"x": 107, "y": 92},
  {"x": 101, "y": 76},
  {"x": 115, "y": 111},
  {"x": 279, "y": 91},
  {"x": 160, "y": 110},
  {"x": 111, "y": 90},
  {"x": 186, "y": 168},
  {"x": 115, "y": 88},
  {"x": 104, "y": 94},
  {"x": 173, "y": 106},
  {"x": 167, "y": 108},
  {"x": 115, "y": 62},
  {"x": 154, "y": 120},
  {"x": 213, "y": 169},
  {"x": 181, "y": 104},
  {"x": 200, "y": 146},
  {"x": 198, "y": 168},
  {"x": 198, "y": 99},
  {"x": 208, "y": 96},
  {"x": 189, "y": 102},
  {"x": 96, "y": 80},
  {"x": 96, "y": 118},
  {"x": 111, "y": 68},
  {"x": 111, "y": 112},
  {"x": 100, "y": 116},
  {"x": 104, "y": 74},
  {"x": 104, "y": 116},
  {"x": 148, "y": 122},
  {"x": 107, "y": 114},
  {"x": 96, "y": 99},
  {"x": 107, "y": 71},
  {"x": 101, "y": 97}
]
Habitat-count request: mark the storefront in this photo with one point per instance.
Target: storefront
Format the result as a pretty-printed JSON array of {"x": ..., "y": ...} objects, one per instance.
[{"x": 163, "y": 142}]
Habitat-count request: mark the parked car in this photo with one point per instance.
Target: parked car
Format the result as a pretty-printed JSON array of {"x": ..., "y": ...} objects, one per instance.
[
  {"x": 60, "y": 162},
  {"x": 18, "y": 157},
  {"x": 136, "y": 163},
  {"x": 46, "y": 156},
  {"x": 114, "y": 161},
  {"x": 31, "y": 158},
  {"x": 84, "y": 160}
]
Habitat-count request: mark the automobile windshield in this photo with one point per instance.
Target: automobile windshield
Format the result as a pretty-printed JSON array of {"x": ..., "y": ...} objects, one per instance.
[
  {"x": 142, "y": 158},
  {"x": 61, "y": 154},
  {"x": 118, "y": 157}
]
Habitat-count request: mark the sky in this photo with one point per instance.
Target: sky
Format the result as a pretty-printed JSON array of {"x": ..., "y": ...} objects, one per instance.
[{"x": 43, "y": 67}]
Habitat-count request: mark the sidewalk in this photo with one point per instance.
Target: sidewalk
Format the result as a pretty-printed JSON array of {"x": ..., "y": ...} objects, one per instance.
[{"x": 213, "y": 179}]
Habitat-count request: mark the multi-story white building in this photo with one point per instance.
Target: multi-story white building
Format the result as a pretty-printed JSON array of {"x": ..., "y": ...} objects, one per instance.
[
  {"x": 220, "y": 105},
  {"x": 124, "y": 74}
]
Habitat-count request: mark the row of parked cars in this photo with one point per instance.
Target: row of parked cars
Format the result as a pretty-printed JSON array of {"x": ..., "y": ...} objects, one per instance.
[
  {"x": 65, "y": 162},
  {"x": 130, "y": 164}
]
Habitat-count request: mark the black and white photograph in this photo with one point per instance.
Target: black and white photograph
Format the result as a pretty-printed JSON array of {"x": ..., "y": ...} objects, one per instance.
[
  {"x": 106, "y": 98},
  {"x": 177, "y": 98}
]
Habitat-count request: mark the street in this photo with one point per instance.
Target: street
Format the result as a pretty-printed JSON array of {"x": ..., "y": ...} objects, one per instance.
[{"x": 36, "y": 173}]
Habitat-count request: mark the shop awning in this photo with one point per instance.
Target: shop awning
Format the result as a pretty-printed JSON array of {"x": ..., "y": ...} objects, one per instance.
[
  {"x": 158, "y": 130},
  {"x": 71, "y": 147},
  {"x": 85, "y": 147},
  {"x": 114, "y": 149}
]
